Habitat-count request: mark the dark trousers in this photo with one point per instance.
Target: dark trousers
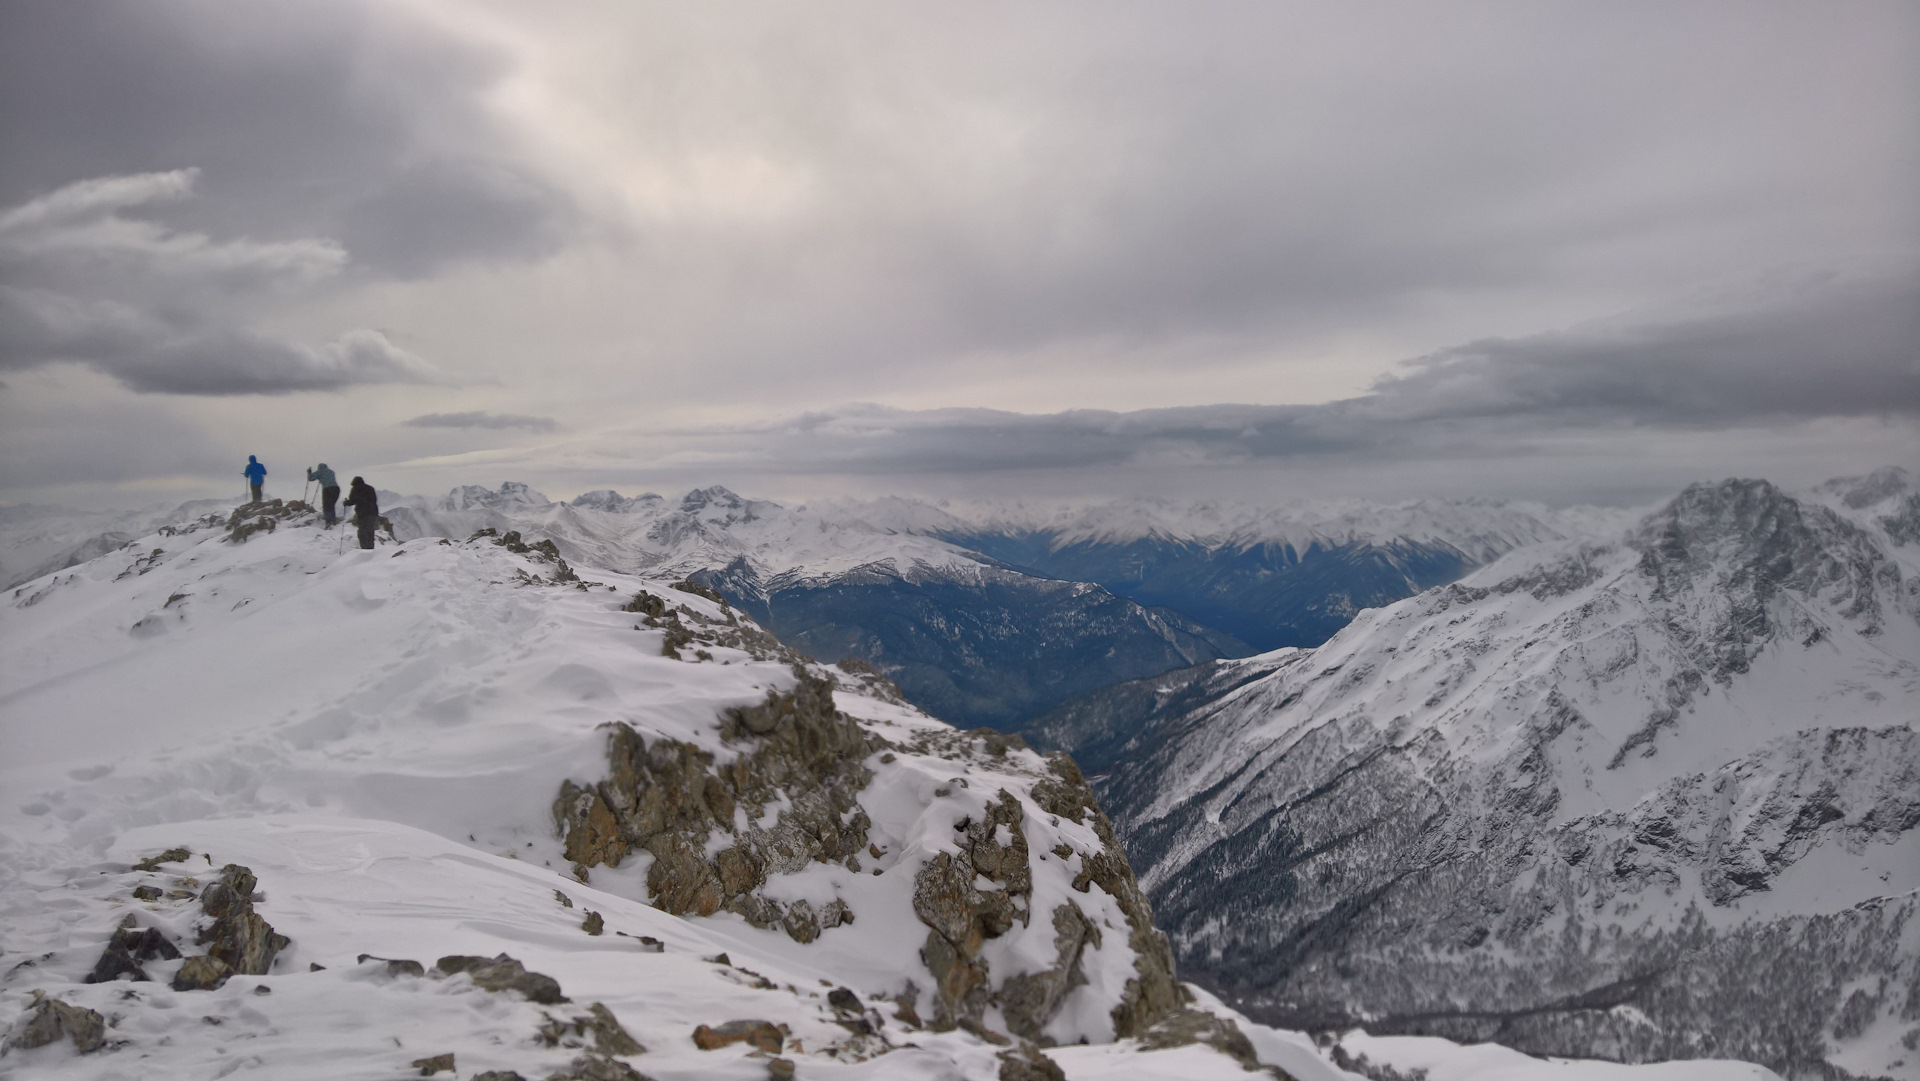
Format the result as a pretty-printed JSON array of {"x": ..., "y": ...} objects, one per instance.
[
  {"x": 256, "y": 491},
  {"x": 328, "y": 497},
  {"x": 367, "y": 526}
]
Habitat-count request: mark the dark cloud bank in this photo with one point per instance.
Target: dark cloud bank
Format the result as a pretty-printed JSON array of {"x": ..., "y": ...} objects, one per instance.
[
  {"x": 483, "y": 420},
  {"x": 1817, "y": 348}
]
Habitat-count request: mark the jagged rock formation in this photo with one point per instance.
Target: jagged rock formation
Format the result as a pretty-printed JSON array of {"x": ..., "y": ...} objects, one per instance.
[
  {"x": 239, "y": 941},
  {"x": 127, "y": 949},
  {"x": 668, "y": 799},
  {"x": 679, "y": 802},
  {"x": 1637, "y": 801}
]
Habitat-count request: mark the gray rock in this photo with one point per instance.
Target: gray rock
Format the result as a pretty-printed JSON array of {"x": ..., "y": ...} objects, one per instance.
[
  {"x": 764, "y": 1035},
  {"x": 1028, "y": 1063},
  {"x": 597, "y": 1068},
  {"x": 203, "y": 973},
  {"x": 51, "y": 1019},
  {"x": 171, "y": 855},
  {"x": 598, "y": 1024},
  {"x": 503, "y": 973},
  {"x": 396, "y": 966},
  {"x": 126, "y": 949},
  {"x": 668, "y": 798}
]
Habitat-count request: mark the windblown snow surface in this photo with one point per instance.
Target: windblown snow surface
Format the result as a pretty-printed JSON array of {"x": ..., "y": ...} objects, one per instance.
[{"x": 380, "y": 735}]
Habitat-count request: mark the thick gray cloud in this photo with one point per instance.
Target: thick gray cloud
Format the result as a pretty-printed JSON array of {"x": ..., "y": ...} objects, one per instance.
[
  {"x": 607, "y": 210},
  {"x": 347, "y": 120},
  {"x": 154, "y": 307},
  {"x": 483, "y": 420},
  {"x": 1799, "y": 348}
]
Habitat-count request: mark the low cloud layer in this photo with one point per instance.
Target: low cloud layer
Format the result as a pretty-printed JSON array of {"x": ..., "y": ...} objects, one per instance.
[
  {"x": 89, "y": 281},
  {"x": 1813, "y": 348},
  {"x": 483, "y": 420}
]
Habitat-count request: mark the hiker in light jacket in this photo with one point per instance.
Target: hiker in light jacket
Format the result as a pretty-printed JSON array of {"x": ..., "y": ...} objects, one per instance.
[
  {"x": 366, "y": 510},
  {"x": 256, "y": 475},
  {"x": 329, "y": 491}
]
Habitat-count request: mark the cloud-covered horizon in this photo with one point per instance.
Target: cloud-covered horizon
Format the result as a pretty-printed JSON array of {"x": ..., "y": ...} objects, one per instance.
[{"x": 1413, "y": 238}]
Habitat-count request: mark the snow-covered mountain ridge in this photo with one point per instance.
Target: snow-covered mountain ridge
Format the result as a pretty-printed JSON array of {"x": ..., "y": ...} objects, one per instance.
[
  {"x": 216, "y": 695},
  {"x": 383, "y": 743},
  {"x": 1647, "y": 799}
]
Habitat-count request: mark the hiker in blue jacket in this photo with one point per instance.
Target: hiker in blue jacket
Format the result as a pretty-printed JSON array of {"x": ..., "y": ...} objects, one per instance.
[
  {"x": 256, "y": 475},
  {"x": 329, "y": 490}
]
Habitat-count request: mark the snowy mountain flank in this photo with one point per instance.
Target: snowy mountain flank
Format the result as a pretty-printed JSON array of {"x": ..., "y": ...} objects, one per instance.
[
  {"x": 1649, "y": 799},
  {"x": 457, "y": 806}
]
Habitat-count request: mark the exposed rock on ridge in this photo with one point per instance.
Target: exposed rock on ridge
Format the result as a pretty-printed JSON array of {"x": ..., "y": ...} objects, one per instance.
[{"x": 704, "y": 820}]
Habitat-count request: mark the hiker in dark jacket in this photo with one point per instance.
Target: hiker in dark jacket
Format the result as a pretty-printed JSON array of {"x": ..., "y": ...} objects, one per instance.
[
  {"x": 366, "y": 510},
  {"x": 329, "y": 491},
  {"x": 256, "y": 475}
]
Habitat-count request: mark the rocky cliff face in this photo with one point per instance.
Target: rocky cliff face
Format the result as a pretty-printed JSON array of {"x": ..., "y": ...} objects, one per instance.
[
  {"x": 1648, "y": 800},
  {"x": 1034, "y": 923}
]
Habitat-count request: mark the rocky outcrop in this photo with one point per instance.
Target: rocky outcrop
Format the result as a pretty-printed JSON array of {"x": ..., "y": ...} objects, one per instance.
[
  {"x": 265, "y": 516},
  {"x": 668, "y": 797},
  {"x": 51, "y": 1019},
  {"x": 981, "y": 891},
  {"x": 963, "y": 915},
  {"x": 503, "y": 973},
  {"x": 764, "y": 1035},
  {"x": 129, "y": 946},
  {"x": 1154, "y": 993},
  {"x": 703, "y": 819},
  {"x": 597, "y": 1025},
  {"x": 239, "y": 941}
]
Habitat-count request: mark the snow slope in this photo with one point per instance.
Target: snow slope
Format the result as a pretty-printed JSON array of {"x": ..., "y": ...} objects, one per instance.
[
  {"x": 1647, "y": 799},
  {"x": 380, "y": 737}
]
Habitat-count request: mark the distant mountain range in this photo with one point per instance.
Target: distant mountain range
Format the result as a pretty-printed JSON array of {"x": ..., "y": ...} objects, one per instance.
[
  {"x": 1654, "y": 798},
  {"x": 986, "y": 615},
  {"x": 995, "y": 614}
]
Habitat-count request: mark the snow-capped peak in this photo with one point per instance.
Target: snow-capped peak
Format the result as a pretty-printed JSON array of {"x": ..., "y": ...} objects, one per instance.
[{"x": 473, "y": 496}]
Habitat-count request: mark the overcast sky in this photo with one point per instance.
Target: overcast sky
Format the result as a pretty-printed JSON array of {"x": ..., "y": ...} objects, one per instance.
[{"x": 1549, "y": 250}]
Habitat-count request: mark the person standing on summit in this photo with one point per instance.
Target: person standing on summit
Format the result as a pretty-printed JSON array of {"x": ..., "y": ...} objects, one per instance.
[
  {"x": 256, "y": 475},
  {"x": 329, "y": 491},
  {"x": 366, "y": 510}
]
